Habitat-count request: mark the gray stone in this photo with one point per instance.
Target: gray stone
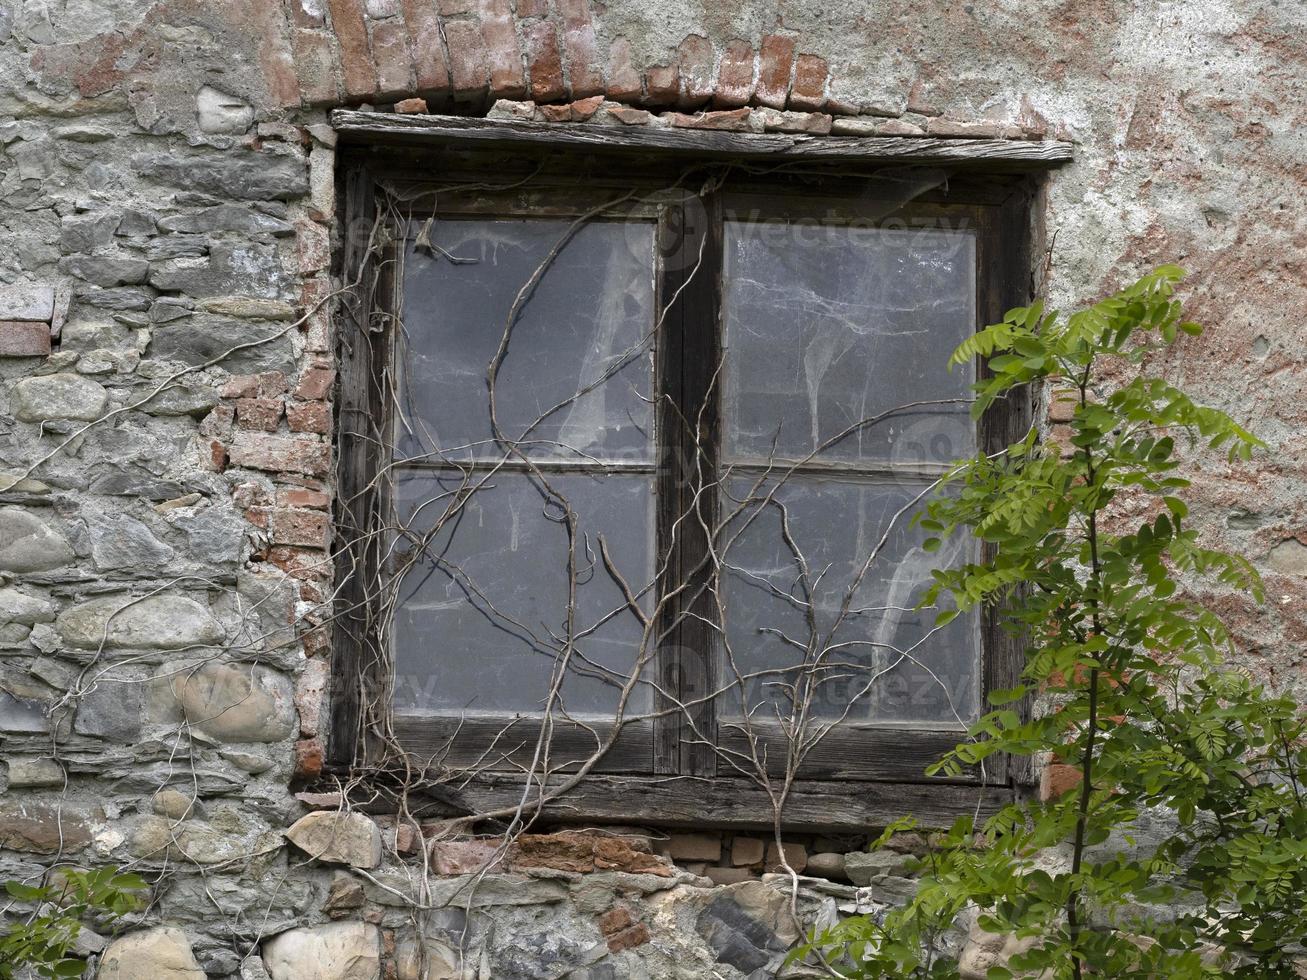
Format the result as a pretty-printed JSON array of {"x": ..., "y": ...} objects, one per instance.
[
  {"x": 120, "y": 541},
  {"x": 135, "y": 224},
  {"x": 124, "y": 298},
  {"x": 177, "y": 247},
  {"x": 337, "y": 951},
  {"x": 107, "y": 270},
  {"x": 226, "y": 217},
  {"x": 202, "y": 339},
  {"x": 152, "y": 954},
  {"x": 158, "y": 622},
  {"x": 862, "y": 867},
  {"x": 19, "y": 607},
  {"x": 827, "y": 865},
  {"x": 21, "y": 716},
  {"x": 250, "y": 762},
  {"x": 87, "y": 232},
  {"x": 737, "y": 938},
  {"x": 175, "y": 805},
  {"x": 110, "y": 709},
  {"x": 338, "y": 838},
  {"x": 28, "y": 544},
  {"x": 169, "y": 308},
  {"x": 249, "y": 269},
  {"x": 25, "y": 302},
  {"x": 218, "y": 112},
  {"x": 176, "y": 399},
  {"x": 214, "y": 534},
  {"x": 34, "y": 773},
  {"x": 58, "y": 396},
  {"x": 246, "y": 176},
  {"x": 1289, "y": 557},
  {"x": 226, "y": 702}
]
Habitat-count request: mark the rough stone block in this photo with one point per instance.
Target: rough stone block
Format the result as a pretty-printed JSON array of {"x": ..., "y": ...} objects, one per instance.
[
  {"x": 747, "y": 850},
  {"x": 28, "y": 544},
  {"x": 694, "y": 847},
  {"x": 26, "y": 302},
  {"x": 227, "y": 702},
  {"x": 729, "y": 120},
  {"x": 34, "y": 773},
  {"x": 336, "y": 837},
  {"x": 42, "y": 828},
  {"x": 863, "y": 867},
  {"x": 24, "y": 339},
  {"x": 158, "y": 622},
  {"x": 58, "y": 396},
  {"x": 796, "y": 856},
  {"x": 151, "y": 954},
  {"x": 337, "y": 951}
]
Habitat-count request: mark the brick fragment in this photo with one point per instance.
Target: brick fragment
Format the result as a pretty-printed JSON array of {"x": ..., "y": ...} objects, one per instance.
[
  {"x": 1056, "y": 779},
  {"x": 735, "y": 76},
  {"x": 411, "y": 106},
  {"x": 390, "y": 54},
  {"x": 696, "y": 61},
  {"x": 662, "y": 85},
  {"x": 919, "y": 103},
  {"x": 300, "y": 563},
  {"x": 315, "y": 384},
  {"x": 24, "y": 339},
  {"x": 637, "y": 935},
  {"x": 275, "y": 454},
  {"x": 258, "y": 413},
  {"x": 461, "y": 857},
  {"x": 585, "y": 75},
  {"x": 729, "y": 120},
  {"x": 809, "y": 89},
  {"x": 776, "y": 121},
  {"x": 357, "y": 70},
  {"x": 624, "y": 82},
  {"x": 775, "y": 59},
  {"x": 308, "y": 760},
  {"x": 544, "y": 63},
  {"x": 315, "y": 66},
  {"x": 303, "y": 528},
  {"x": 503, "y": 56},
  {"x": 629, "y": 116},
  {"x": 430, "y": 65},
  {"x": 467, "y": 59},
  {"x": 1062, "y": 405},
  {"x": 615, "y": 920},
  {"x": 303, "y": 497},
  {"x": 309, "y": 417}
]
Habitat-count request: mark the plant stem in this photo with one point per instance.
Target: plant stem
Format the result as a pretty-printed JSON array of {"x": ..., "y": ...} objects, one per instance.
[{"x": 1091, "y": 734}]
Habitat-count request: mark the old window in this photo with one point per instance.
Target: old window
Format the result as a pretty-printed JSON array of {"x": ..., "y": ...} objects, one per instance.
[{"x": 628, "y": 457}]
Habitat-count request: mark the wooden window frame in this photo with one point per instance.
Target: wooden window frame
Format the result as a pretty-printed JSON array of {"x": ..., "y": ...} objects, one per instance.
[{"x": 844, "y": 787}]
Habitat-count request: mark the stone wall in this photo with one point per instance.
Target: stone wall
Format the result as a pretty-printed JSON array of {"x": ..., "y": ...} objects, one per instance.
[{"x": 167, "y": 212}]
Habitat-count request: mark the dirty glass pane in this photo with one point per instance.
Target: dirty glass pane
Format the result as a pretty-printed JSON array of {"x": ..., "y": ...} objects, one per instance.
[
  {"x": 586, "y": 325},
  {"x": 877, "y": 654},
  {"x": 482, "y": 614},
  {"x": 829, "y": 325}
]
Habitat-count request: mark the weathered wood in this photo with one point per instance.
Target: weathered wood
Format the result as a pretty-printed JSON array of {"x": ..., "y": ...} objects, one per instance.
[
  {"x": 508, "y": 744},
  {"x": 991, "y": 154},
  {"x": 854, "y": 752},
  {"x": 686, "y": 801}
]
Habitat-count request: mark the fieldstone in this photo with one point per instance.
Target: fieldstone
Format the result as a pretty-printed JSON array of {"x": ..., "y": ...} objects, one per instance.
[
  {"x": 157, "y": 622},
  {"x": 120, "y": 541},
  {"x": 124, "y": 298},
  {"x": 253, "y": 307},
  {"x": 747, "y": 850},
  {"x": 246, "y": 176},
  {"x": 343, "y": 897},
  {"x": 19, "y": 607},
  {"x": 42, "y": 828},
  {"x": 985, "y": 950},
  {"x": 28, "y": 544},
  {"x": 337, "y": 951},
  {"x": 177, "y": 247},
  {"x": 110, "y": 709},
  {"x": 863, "y": 867},
  {"x": 1289, "y": 557},
  {"x": 796, "y": 856},
  {"x": 87, "y": 232},
  {"x": 58, "y": 396},
  {"x": 218, "y": 112},
  {"x": 135, "y": 224},
  {"x": 827, "y": 865},
  {"x": 229, "y": 268},
  {"x": 202, "y": 339},
  {"x": 214, "y": 534},
  {"x": 107, "y": 270},
  {"x": 27, "y": 773},
  {"x": 227, "y": 702},
  {"x": 226, "y": 217},
  {"x": 175, "y": 805},
  {"x": 737, "y": 938},
  {"x": 20, "y": 716},
  {"x": 151, "y": 954},
  {"x": 338, "y": 838},
  {"x": 177, "y": 399}
]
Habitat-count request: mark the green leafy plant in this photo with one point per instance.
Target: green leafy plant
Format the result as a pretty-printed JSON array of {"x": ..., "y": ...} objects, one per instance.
[
  {"x": 1129, "y": 679},
  {"x": 41, "y": 943}
]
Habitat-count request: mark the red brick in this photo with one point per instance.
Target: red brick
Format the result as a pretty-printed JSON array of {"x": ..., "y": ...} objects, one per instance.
[
  {"x": 453, "y": 8},
  {"x": 241, "y": 386},
  {"x": 315, "y": 65},
  {"x": 305, "y": 528},
  {"x": 919, "y": 103},
  {"x": 390, "y": 54},
  {"x": 809, "y": 91},
  {"x": 23, "y": 339},
  {"x": 312, "y": 246},
  {"x": 301, "y": 17},
  {"x": 503, "y": 56},
  {"x": 411, "y": 106},
  {"x": 276, "y": 454},
  {"x": 258, "y": 413},
  {"x": 217, "y": 456},
  {"x": 467, "y": 59},
  {"x": 1056, "y": 779},
  {"x": 461, "y": 857},
  {"x": 731, "y": 120},
  {"x": 303, "y": 497},
  {"x": 532, "y": 8},
  {"x": 544, "y": 61},
  {"x": 662, "y": 85},
  {"x": 430, "y": 66},
  {"x": 637, "y": 935},
  {"x": 308, "y": 760},
  {"x": 268, "y": 24},
  {"x": 356, "y": 67},
  {"x": 309, "y": 417},
  {"x": 696, "y": 61},
  {"x": 735, "y": 76},
  {"x": 584, "y": 73},
  {"x": 898, "y": 127},
  {"x": 317, "y": 643},
  {"x": 300, "y": 563},
  {"x": 314, "y": 295},
  {"x": 615, "y": 920},
  {"x": 775, "y": 58},
  {"x": 315, "y": 384},
  {"x": 624, "y": 83}
]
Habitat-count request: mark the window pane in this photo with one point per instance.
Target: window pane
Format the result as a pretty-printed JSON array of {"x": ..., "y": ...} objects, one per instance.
[
  {"x": 826, "y": 326},
  {"x": 586, "y": 324},
  {"x": 875, "y": 652},
  {"x": 482, "y": 616}
]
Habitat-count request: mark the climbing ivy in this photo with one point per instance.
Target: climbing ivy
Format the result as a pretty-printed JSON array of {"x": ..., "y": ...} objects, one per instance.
[{"x": 1128, "y": 674}]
